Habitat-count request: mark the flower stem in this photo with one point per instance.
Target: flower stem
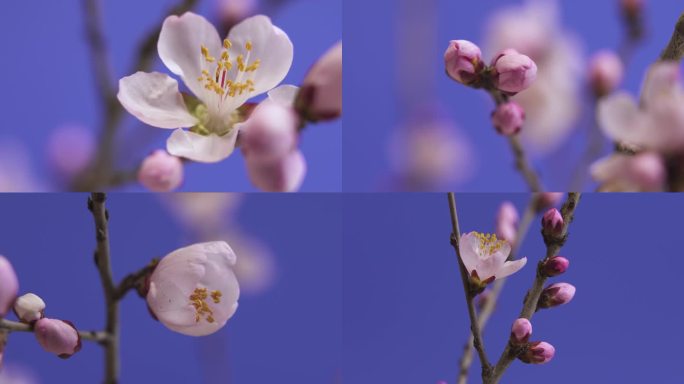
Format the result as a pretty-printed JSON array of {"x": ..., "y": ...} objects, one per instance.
[
  {"x": 15, "y": 326},
  {"x": 553, "y": 245},
  {"x": 469, "y": 296}
]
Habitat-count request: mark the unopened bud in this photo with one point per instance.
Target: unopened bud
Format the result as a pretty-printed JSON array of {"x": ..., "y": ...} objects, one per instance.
[
  {"x": 556, "y": 294},
  {"x": 521, "y": 331},
  {"x": 29, "y": 308},
  {"x": 555, "y": 266},
  {"x": 58, "y": 336},
  {"x": 161, "y": 172},
  {"x": 463, "y": 61},
  {"x": 552, "y": 222},
  {"x": 537, "y": 352},
  {"x": 605, "y": 72},
  {"x": 507, "y": 222},
  {"x": 513, "y": 72},
  {"x": 320, "y": 97},
  {"x": 508, "y": 118}
]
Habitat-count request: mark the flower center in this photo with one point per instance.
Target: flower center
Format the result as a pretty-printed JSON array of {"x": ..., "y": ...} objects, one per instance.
[
  {"x": 198, "y": 299},
  {"x": 489, "y": 243},
  {"x": 224, "y": 76}
]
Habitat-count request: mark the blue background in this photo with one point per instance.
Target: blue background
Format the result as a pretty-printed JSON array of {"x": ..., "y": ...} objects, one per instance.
[
  {"x": 372, "y": 86},
  {"x": 406, "y": 320},
  {"x": 47, "y": 81},
  {"x": 292, "y": 333}
]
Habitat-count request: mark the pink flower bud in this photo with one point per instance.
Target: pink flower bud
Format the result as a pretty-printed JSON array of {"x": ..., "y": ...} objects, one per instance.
[
  {"x": 9, "y": 286},
  {"x": 233, "y": 11},
  {"x": 29, "y": 308},
  {"x": 70, "y": 149},
  {"x": 57, "y": 336},
  {"x": 508, "y": 118},
  {"x": 463, "y": 61},
  {"x": 632, "y": 7},
  {"x": 548, "y": 199},
  {"x": 555, "y": 266},
  {"x": 521, "y": 331},
  {"x": 538, "y": 352},
  {"x": 282, "y": 175},
  {"x": 556, "y": 294},
  {"x": 320, "y": 97},
  {"x": 552, "y": 222},
  {"x": 605, "y": 72},
  {"x": 507, "y": 222},
  {"x": 161, "y": 172},
  {"x": 513, "y": 71},
  {"x": 270, "y": 132},
  {"x": 193, "y": 290}
]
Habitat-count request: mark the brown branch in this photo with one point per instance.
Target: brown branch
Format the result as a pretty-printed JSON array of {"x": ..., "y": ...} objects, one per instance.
[
  {"x": 135, "y": 280},
  {"x": 15, "y": 326},
  {"x": 469, "y": 296},
  {"x": 675, "y": 48},
  {"x": 493, "y": 296},
  {"x": 553, "y": 246},
  {"x": 96, "y": 205}
]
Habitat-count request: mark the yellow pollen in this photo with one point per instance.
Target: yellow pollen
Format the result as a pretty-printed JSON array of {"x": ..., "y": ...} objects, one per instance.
[
  {"x": 248, "y": 45},
  {"x": 227, "y": 44},
  {"x": 198, "y": 301},
  {"x": 489, "y": 243},
  {"x": 205, "y": 53},
  {"x": 219, "y": 76}
]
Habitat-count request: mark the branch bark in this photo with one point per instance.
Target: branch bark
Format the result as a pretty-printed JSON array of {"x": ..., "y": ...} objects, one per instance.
[
  {"x": 15, "y": 326},
  {"x": 675, "y": 48}
]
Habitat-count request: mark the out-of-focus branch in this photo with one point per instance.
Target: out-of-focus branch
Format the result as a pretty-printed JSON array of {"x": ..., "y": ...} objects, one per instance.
[{"x": 675, "y": 48}]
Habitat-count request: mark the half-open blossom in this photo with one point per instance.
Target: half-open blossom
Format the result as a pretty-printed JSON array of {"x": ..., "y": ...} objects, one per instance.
[
  {"x": 222, "y": 74},
  {"x": 521, "y": 330},
  {"x": 193, "y": 290},
  {"x": 555, "y": 266},
  {"x": 605, "y": 72},
  {"x": 463, "y": 61},
  {"x": 484, "y": 257},
  {"x": 556, "y": 294},
  {"x": 9, "y": 286},
  {"x": 284, "y": 174},
  {"x": 161, "y": 172},
  {"x": 57, "y": 336},
  {"x": 656, "y": 122},
  {"x": 508, "y": 118},
  {"x": 552, "y": 222},
  {"x": 320, "y": 97},
  {"x": 29, "y": 308},
  {"x": 513, "y": 71},
  {"x": 507, "y": 222},
  {"x": 537, "y": 352},
  {"x": 644, "y": 172}
]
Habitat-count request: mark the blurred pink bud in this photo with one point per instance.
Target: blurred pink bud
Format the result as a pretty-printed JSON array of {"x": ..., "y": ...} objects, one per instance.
[
  {"x": 57, "y": 336},
  {"x": 538, "y": 352},
  {"x": 193, "y": 290},
  {"x": 270, "y": 132},
  {"x": 463, "y": 61},
  {"x": 555, "y": 266},
  {"x": 9, "y": 286},
  {"x": 282, "y": 175},
  {"x": 508, "y": 118},
  {"x": 632, "y": 7},
  {"x": 233, "y": 11},
  {"x": 605, "y": 72},
  {"x": 29, "y": 308},
  {"x": 161, "y": 172},
  {"x": 513, "y": 71},
  {"x": 521, "y": 331},
  {"x": 556, "y": 294},
  {"x": 548, "y": 199},
  {"x": 70, "y": 149},
  {"x": 552, "y": 222},
  {"x": 507, "y": 222},
  {"x": 320, "y": 97}
]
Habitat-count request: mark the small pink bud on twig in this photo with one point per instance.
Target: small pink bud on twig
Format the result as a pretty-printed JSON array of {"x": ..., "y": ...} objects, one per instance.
[
  {"x": 58, "y": 336},
  {"x": 161, "y": 172},
  {"x": 507, "y": 222},
  {"x": 463, "y": 61},
  {"x": 320, "y": 97},
  {"x": 521, "y": 331},
  {"x": 605, "y": 72},
  {"x": 552, "y": 222},
  {"x": 513, "y": 72},
  {"x": 537, "y": 352},
  {"x": 270, "y": 132},
  {"x": 547, "y": 200},
  {"x": 555, "y": 266},
  {"x": 29, "y": 308},
  {"x": 9, "y": 286},
  {"x": 508, "y": 118},
  {"x": 556, "y": 294}
]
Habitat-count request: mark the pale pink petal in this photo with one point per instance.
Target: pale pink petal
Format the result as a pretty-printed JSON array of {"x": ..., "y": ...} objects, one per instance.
[
  {"x": 284, "y": 94},
  {"x": 469, "y": 250},
  {"x": 281, "y": 175},
  {"x": 200, "y": 148},
  {"x": 620, "y": 119},
  {"x": 511, "y": 267},
  {"x": 155, "y": 100},
  {"x": 662, "y": 81}
]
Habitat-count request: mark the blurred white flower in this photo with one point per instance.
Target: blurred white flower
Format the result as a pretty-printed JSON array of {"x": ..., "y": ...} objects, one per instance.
[
  {"x": 256, "y": 268},
  {"x": 16, "y": 172},
  {"x": 203, "y": 212},
  {"x": 552, "y": 103}
]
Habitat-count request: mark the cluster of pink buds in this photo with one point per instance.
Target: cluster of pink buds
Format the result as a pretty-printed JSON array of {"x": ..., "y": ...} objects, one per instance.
[
  {"x": 529, "y": 352},
  {"x": 55, "y": 336}
]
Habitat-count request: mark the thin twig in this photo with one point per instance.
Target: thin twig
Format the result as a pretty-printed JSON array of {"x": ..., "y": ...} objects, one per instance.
[
  {"x": 675, "y": 48},
  {"x": 493, "y": 296},
  {"x": 96, "y": 204},
  {"x": 553, "y": 246},
  {"x": 134, "y": 280},
  {"x": 474, "y": 323},
  {"x": 15, "y": 326}
]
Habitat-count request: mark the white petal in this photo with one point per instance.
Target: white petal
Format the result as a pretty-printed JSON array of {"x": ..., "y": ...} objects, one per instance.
[
  {"x": 662, "y": 81},
  {"x": 270, "y": 45},
  {"x": 204, "y": 149},
  {"x": 284, "y": 95},
  {"x": 511, "y": 267},
  {"x": 280, "y": 175},
  {"x": 179, "y": 47},
  {"x": 469, "y": 251},
  {"x": 621, "y": 120},
  {"x": 155, "y": 100}
]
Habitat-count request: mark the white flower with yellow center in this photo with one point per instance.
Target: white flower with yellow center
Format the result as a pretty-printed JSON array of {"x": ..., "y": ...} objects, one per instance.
[
  {"x": 223, "y": 74},
  {"x": 486, "y": 258}
]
